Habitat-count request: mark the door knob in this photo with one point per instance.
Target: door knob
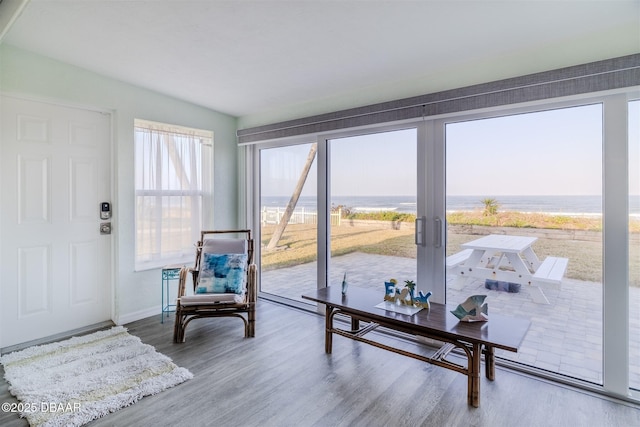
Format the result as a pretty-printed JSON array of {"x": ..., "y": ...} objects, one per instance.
[{"x": 105, "y": 228}]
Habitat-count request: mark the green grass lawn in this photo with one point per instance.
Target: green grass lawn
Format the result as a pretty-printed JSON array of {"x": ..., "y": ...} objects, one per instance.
[{"x": 298, "y": 243}]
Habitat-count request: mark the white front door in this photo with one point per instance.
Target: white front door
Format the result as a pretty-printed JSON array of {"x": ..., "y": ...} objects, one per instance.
[{"x": 56, "y": 265}]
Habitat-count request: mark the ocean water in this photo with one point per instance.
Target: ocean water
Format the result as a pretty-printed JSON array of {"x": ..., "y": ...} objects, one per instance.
[{"x": 567, "y": 205}]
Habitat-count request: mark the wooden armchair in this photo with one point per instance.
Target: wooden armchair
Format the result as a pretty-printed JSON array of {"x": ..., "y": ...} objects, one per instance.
[{"x": 224, "y": 282}]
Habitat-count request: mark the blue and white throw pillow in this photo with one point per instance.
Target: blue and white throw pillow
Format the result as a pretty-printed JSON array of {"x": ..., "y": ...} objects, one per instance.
[{"x": 222, "y": 274}]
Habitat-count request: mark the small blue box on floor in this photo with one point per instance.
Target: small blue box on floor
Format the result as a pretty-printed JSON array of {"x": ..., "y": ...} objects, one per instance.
[{"x": 498, "y": 285}]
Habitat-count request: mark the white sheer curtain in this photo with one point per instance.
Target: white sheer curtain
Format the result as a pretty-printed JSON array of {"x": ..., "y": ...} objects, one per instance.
[{"x": 172, "y": 181}]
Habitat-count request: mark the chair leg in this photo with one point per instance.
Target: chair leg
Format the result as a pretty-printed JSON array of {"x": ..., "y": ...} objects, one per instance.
[
  {"x": 178, "y": 328},
  {"x": 251, "y": 326}
]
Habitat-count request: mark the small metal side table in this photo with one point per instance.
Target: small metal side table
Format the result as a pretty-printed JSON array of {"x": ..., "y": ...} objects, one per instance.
[{"x": 169, "y": 273}]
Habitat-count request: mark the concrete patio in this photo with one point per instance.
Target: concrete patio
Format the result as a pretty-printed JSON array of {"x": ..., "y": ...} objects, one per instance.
[{"x": 565, "y": 336}]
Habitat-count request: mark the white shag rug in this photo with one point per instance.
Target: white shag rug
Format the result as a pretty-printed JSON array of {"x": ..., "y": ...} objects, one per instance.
[{"x": 72, "y": 382}]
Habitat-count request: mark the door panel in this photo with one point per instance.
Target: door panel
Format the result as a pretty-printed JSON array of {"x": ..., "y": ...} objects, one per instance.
[
  {"x": 33, "y": 282},
  {"x": 373, "y": 183},
  {"x": 535, "y": 175},
  {"x": 288, "y": 220},
  {"x": 56, "y": 266}
]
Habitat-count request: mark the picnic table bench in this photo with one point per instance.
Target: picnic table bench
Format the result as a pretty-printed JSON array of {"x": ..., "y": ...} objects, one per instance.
[{"x": 551, "y": 270}]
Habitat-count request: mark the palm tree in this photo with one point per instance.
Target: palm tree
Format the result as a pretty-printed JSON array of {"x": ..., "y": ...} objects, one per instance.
[{"x": 490, "y": 206}]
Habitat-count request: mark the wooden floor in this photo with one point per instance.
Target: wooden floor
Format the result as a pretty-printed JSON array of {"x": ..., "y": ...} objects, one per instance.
[{"x": 282, "y": 377}]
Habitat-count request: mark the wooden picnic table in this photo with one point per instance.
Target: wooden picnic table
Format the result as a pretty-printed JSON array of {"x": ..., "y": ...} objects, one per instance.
[{"x": 507, "y": 258}]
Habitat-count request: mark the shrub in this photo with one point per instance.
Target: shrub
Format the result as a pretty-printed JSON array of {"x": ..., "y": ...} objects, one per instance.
[{"x": 490, "y": 206}]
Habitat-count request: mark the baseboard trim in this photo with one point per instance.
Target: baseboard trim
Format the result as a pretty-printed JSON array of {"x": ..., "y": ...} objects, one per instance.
[
  {"x": 138, "y": 315},
  {"x": 120, "y": 320},
  {"x": 58, "y": 337}
]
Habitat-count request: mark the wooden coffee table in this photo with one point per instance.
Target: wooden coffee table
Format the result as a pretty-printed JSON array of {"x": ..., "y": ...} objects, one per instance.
[{"x": 474, "y": 339}]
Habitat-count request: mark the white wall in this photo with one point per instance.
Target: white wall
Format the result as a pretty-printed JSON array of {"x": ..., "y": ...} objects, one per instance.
[{"x": 138, "y": 294}]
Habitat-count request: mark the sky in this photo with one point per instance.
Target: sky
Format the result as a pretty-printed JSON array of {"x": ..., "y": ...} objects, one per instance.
[
  {"x": 376, "y": 164},
  {"x": 554, "y": 152}
]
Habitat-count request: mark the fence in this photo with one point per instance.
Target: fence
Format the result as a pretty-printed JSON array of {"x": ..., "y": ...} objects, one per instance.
[{"x": 299, "y": 216}]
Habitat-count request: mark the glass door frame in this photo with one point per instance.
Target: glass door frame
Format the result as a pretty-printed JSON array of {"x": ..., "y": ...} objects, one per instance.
[
  {"x": 324, "y": 185},
  {"x": 615, "y": 222},
  {"x": 252, "y": 162},
  {"x": 431, "y": 196}
]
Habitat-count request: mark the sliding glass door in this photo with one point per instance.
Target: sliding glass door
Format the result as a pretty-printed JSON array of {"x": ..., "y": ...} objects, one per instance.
[
  {"x": 368, "y": 214},
  {"x": 558, "y": 188},
  {"x": 373, "y": 208},
  {"x": 534, "y": 182},
  {"x": 288, "y": 220}
]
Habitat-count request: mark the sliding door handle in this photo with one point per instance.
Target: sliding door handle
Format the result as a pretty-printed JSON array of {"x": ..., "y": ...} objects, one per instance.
[
  {"x": 419, "y": 231},
  {"x": 438, "y": 232}
]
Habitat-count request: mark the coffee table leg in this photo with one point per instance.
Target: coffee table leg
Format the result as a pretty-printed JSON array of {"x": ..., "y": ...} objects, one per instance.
[
  {"x": 473, "y": 391},
  {"x": 355, "y": 325},
  {"x": 328, "y": 337},
  {"x": 489, "y": 363}
]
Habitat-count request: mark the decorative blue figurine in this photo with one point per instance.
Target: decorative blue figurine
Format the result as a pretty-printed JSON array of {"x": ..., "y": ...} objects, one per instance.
[
  {"x": 390, "y": 290},
  {"x": 345, "y": 285},
  {"x": 422, "y": 300},
  {"x": 406, "y": 296}
]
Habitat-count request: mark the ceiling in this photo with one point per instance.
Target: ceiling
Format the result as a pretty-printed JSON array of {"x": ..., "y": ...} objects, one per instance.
[{"x": 268, "y": 60}]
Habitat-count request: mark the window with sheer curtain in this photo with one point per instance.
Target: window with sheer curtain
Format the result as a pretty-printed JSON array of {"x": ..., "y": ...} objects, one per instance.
[{"x": 173, "y": 170}]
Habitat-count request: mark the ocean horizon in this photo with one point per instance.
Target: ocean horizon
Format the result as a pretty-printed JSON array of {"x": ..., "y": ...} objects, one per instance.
[{"x": 564, "y": 205}]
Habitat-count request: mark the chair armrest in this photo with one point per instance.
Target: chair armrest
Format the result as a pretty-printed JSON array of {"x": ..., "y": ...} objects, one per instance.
[
  {"x": 252, "y": 283},
  {"x": 182, "y": 280}
]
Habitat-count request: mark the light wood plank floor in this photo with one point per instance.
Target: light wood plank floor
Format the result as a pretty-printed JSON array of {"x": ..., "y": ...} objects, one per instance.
[{"x": 282, "y": 377}]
